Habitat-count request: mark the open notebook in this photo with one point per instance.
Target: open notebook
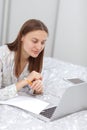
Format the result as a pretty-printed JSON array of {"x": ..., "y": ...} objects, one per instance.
[{"x": 27, "y": 103}]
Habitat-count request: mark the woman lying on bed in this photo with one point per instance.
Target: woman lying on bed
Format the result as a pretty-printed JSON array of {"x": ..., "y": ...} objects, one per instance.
[{"x": 21, "y": 61}]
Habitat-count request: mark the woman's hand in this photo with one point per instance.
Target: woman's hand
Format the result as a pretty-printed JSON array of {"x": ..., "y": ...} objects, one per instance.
[
  {"x": 37, "y": 86},
  {"x": 34, "y": 76}
]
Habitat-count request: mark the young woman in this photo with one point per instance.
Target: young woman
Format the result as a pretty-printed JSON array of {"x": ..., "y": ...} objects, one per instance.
[{"x": 21, "y": 61}]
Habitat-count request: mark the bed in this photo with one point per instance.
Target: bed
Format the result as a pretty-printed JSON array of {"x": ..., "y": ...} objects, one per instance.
[{"x": 54, "y": 72}]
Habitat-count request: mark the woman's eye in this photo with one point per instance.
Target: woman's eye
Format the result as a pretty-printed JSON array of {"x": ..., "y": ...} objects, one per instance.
[
  {"x": 43, "y": 43},
  {"x": 34, "y": 41}
]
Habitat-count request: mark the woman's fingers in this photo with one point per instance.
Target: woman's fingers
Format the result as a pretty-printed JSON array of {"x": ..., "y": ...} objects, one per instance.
[
  {"x": 34, "y": 76},
  {"x": 37, "y": 86}
]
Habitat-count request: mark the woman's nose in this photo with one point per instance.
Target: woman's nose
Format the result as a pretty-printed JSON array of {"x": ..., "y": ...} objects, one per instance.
[{"x": 39, "y": 46}]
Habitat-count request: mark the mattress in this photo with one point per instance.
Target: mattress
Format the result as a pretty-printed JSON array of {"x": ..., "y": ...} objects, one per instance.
[{"x": 54, "y": 72}]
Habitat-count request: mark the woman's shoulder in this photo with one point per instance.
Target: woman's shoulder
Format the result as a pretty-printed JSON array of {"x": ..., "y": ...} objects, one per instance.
[
  {"x": 3, "y": 47},
  {"x": 4, "y": 51}
]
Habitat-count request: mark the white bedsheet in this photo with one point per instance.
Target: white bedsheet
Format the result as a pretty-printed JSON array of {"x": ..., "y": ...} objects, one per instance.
[{"x": 54, "y": 72}]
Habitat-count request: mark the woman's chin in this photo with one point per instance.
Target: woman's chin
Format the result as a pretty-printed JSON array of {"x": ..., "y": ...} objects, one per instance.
[{"x": 35, "y": 55}]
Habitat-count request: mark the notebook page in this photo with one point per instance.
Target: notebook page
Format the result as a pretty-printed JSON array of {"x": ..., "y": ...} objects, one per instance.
[{"x": 27, "y": 103}]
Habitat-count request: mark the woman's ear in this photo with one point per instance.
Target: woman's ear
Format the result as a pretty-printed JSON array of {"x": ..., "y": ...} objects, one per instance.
[{"x": 22, "y": 38}]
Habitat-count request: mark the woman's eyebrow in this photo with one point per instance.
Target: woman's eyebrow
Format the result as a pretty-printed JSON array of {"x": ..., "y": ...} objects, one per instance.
[
  {"x": 35, "y": 38},
  {"x": 38, "y": 39},
  {"x": 45, "y": 40}
]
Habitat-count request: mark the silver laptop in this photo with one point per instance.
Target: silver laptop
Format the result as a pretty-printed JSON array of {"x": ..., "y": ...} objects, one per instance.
[{"x": 73, "y": 100}]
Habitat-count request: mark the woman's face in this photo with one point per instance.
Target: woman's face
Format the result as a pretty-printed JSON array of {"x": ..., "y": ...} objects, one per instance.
[{"x": 34, "y": 42}]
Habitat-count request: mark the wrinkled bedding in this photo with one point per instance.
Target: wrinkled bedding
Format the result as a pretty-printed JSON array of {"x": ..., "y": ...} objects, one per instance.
[{"x": 54, "y": 72}]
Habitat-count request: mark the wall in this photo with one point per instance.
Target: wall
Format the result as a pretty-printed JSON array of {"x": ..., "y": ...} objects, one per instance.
[
  {"x": 1, "y": 17},
  {"x": 21, "y": 10},
  {"x": 66, "y": 21},
  {"x": 71, "y": 33}
]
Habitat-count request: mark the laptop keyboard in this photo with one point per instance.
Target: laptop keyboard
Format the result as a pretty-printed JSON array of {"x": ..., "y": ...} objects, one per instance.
[{"x": 48, "y": 112}]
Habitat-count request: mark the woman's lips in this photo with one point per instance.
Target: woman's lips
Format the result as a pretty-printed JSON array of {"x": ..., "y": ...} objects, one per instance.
[{"x": 36, "y": 52}]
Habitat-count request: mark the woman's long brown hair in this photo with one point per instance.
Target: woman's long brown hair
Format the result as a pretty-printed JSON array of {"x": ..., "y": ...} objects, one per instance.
[{"x": 34, "y": 63}]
